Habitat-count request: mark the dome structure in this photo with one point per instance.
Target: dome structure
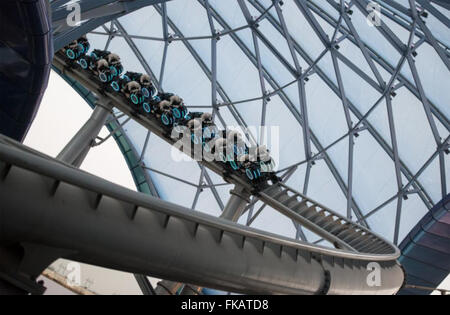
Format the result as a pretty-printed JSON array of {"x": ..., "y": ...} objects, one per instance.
[
  {"x": 347, "y": 99},
  {"x": 357, "y": 92}
]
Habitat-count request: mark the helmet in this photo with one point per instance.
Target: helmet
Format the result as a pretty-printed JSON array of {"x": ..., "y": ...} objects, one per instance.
[
  {"x": 243, "y": 158},
  {"x": 73, "y": 44},
  {"x": 234, "y": 136},
  {"x": 102, "y": 63},
  {"x": 145, "y": 80},
  {"x": 220, "y": 145},
  {"x": 207, "y": 118},
  {"x": 164, "y": 105},
  {"x": 133, "y": 87},
  {"x": 113, "y": 59},
  {"x": 263, "y": 153},
  {"x": 176, "y": 100},
  {"x": 194, "y": 124}
]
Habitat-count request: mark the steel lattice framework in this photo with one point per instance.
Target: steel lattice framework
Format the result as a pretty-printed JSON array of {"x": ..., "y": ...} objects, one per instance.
[{"x": 332, "y": 24}]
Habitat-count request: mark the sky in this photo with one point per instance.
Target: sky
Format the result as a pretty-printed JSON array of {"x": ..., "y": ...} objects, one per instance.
[{"x": 56, "y": 123}]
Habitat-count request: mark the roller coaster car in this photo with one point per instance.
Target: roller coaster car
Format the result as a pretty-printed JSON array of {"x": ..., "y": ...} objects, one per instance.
[
  {"x": 165, "y": 96},
  {"x": 256, "y": 164},
  {"x": 164, "y": 114},
  {"x": 238, "y": 145},
  {"x": 76, "y": 49},
  {"x": 228, "y": 147},
  {"x": 148, "y": 88},
  {"x": 98, "y": 66},
  {"x": 114, "y": 70},
  {"x": 119, "y": 84},
  {"x": 131, "y": 90},
  {"x": 179, "y": 110},
  {"x": 263, "y": 158},
  {"x": 90, "y": 61},
  {"x": 193, "y": 115},
  {"x": 201, "y": 126},
  {"x": 210, "y": 130}
]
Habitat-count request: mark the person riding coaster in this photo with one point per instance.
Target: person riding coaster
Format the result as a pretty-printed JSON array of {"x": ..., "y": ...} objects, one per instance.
[
  {"x": 90, "y": 61},
  {"x": 114, "y": 71},
  {"x": 164, "y": 114},
  {"x": 149, "y": 90},
  {"x": 222, "y": 151},
  {"x": 259, "y": 167},
  {"x": 76, "y": 49},
  {"x": 178, "y": 108},
  {"x": 99, "y": 66},
  {"x": 210, "y": 129},
  {"x": 132, "y": 91},
  {"x": 103, "y": 64},
  {"x": 202, "y": 128},
  {"x": 169, "y": 109},
  {"x": 83, "y": 41}
]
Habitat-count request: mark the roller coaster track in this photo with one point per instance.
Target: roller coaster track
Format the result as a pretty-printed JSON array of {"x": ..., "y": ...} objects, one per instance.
[
  {"x": 98, "y": 222},
  {"x": 138, "y": 233}
]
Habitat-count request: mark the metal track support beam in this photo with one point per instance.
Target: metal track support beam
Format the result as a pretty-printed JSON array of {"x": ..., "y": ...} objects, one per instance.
[{"x": 78, "y": 147}]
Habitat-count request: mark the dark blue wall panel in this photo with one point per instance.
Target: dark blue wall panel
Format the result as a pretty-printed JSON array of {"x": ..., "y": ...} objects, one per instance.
[
  {"x": 26, "y": 53},
  {"x": 426, "y": 249}
]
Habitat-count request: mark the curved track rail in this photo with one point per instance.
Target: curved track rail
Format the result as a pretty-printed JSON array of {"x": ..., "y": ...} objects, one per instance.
[{"x": 97, "y": 222}]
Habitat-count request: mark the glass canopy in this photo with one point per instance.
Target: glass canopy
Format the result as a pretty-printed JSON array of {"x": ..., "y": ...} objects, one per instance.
[{"x": 358, "y": 90}]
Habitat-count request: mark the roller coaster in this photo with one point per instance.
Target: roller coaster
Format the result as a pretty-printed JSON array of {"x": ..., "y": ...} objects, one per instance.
[
  {"x": 68, "y": 213},
  {"x": 168, "y": 110},
  {"x": 134, "y": 230}
]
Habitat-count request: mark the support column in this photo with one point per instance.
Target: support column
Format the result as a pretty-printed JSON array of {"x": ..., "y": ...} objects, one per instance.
[
  {"x": 236, "y": 204},
  {"x": 77, "y": 149}
]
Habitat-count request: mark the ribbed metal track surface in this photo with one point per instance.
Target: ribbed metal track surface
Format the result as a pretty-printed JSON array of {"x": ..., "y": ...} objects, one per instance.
[{"x": 325, "y": 222}]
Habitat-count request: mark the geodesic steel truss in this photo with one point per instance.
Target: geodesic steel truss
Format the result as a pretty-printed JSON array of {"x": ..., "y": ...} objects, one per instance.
[{"x": 411, "y": 17}]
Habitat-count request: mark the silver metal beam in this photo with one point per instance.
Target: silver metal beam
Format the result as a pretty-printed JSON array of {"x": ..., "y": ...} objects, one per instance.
[
  {"x": 78, "y": 147},
  {"x": 236, "y": 204}
]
